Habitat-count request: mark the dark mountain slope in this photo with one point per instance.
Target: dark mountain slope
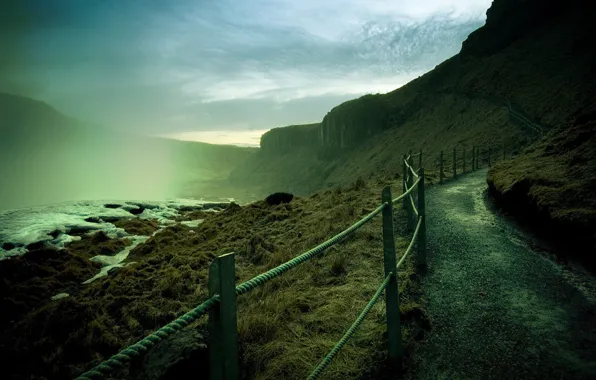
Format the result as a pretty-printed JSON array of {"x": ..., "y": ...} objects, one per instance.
[
  {"x": 552, "y": 187},
  {"x": 539, "y": 61}
]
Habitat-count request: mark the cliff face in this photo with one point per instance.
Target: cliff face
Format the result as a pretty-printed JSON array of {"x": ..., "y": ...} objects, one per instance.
[
  {"x": 354, "y": 121},
  {"x": 285, "y": 139},
  {"x": 345, "y": 126},
  {"x": 535, "y": 55},
  {"x": 521, "y": 55}
]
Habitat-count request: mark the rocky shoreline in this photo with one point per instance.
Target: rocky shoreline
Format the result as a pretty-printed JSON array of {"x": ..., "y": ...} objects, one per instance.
[{"x": 165, "y": 276}]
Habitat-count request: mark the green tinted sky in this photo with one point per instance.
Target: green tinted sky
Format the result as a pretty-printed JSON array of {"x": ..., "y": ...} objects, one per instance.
[{"x": 162, "y": 67}]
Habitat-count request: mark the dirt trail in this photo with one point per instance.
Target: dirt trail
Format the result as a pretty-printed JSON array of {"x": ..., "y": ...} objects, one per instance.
[{"x": 499, "y": 310}]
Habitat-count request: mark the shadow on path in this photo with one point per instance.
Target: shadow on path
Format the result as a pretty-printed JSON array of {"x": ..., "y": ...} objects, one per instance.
[{"x": 498, "y": 309}]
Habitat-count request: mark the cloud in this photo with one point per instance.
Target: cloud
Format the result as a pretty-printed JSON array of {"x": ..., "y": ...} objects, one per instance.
[{"x": 227, "y": 64}]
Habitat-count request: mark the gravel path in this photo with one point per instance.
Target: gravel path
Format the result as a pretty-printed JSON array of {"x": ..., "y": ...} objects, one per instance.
[{"x": 498, "y": 309}]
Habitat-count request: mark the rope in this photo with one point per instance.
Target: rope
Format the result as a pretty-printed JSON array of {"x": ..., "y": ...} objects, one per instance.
[
  {"x": 403, "y": 257},
  {"x": 327, "y": 360},
  {"x": 142, "y": 346},
  {"x": 411, "y": 169},
  {"x": 413, "y": 205},
  {"x": 272, "y": 273},
  {"x": 149, "y": 341},
  {"x": 408, "y": 191}
]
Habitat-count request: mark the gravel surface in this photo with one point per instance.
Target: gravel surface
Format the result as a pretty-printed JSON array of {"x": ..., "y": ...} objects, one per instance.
[{"x": 499, "y": 309}]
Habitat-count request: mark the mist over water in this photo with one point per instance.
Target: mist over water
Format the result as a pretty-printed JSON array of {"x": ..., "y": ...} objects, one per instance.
[{"x": 37, "y": 170}]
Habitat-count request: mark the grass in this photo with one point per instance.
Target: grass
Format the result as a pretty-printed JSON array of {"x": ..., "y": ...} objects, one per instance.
[
  {"x": 285, "y": 327},
  {"x": 29, "y": 281},
  {"x": 553, "y": 183},
  {"x": 548, "y": 73}
]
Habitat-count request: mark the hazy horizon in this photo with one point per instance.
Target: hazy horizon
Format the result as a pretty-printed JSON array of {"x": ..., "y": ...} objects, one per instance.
[
  {"x": 199, "y": 69},
  {"x": 221, "y": 72}
]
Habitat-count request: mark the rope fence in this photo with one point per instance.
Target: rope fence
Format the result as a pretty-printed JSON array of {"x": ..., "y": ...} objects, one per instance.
[
  {"x": 471, "y": 158},
  {"x": 221, "y": 306}
]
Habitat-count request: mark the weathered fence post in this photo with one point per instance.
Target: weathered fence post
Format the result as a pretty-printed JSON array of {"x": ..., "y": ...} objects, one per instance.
[
  {"x": 410, "y": 222},
  {"x": 406, "y": 204},
  {"x": 464, "y": 168},
  {"x": 454, "y": 163},
  {"x": 420, "y": 159},
  {"x": 489, "y": 156},
  {"x": 394, "y": 343},
  {"x": 422, "y": 215},
  {"x": 223, "y": 331},
  {"x": 441, "y": 174}
]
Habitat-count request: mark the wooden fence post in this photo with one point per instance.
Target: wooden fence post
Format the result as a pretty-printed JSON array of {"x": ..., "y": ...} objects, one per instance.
[
  {"x": 405, "y": 182},
  {"x": 422, "y": 214},
  {"x": 464, "y": 168},
  {"x": 441, "y": 174},
  {"x": 394, "y": 338},
  {"x": 223, "y": 330},
  {"x": 420, "y": 159},
  {"x": 454, "y": 163},
  {"x": 410, "y": 222},
  {"x": 489, "y": 156}
]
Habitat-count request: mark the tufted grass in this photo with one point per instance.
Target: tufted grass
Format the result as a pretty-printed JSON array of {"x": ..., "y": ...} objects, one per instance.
[{"x": 285, "y": 326}]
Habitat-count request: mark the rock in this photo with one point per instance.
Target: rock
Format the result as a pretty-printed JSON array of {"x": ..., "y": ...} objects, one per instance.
[
  {"x": 55, "y": 233},
  {"x": 279, "y": 198},
  {"x": 285, "y": 139},
  {"x": 176, "y": 357},
  {"x": 93, "y": 219},
  {"x": 112, "y": 205},
  {"x": 137, "y": 211},
  {"x": 39, "y": 245},
  {"x": 8, "y": 246}
]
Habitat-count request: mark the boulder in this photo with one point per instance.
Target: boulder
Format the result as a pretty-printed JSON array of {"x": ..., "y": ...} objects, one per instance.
[{"x": 279, "y": 198}]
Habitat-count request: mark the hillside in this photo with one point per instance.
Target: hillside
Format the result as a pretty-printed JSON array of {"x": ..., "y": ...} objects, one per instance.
[
  {"x": 533, "y": 55},
  {"x": 40, "y": 148},
  {"x": 292, "y": 137},
  {"x": 551, "y": 187}
]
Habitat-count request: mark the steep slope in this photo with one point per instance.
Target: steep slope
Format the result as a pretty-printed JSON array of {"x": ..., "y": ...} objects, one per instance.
[
  {"x": 538, "y": 61},
  {"x": 48, "y": 157},
  {"x": 286, "y": 139},
  {"x": 551, "y": 186}
]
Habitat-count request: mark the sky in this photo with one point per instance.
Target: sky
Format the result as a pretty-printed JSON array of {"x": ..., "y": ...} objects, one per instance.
[{"x": 221, "y": 70}]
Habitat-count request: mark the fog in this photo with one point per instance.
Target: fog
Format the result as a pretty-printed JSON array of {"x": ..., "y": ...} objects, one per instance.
[
  {"x": 46, "y": 169},
  {"x": 216, "y": 70}
]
